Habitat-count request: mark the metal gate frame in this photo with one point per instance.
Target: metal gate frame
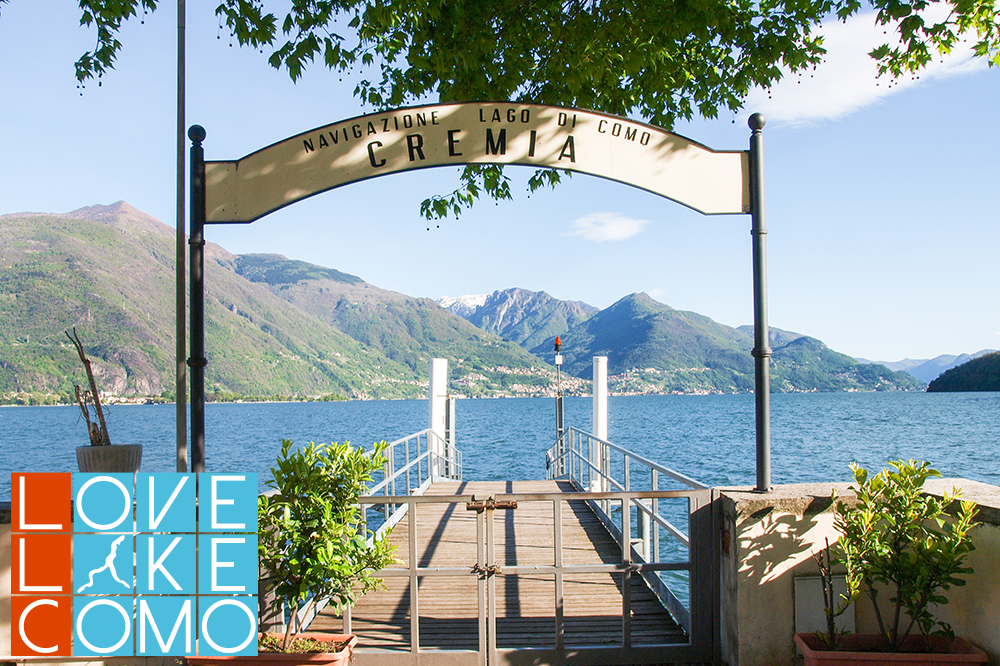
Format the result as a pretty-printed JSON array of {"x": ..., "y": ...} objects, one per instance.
[{"x": 701, "y": 566}]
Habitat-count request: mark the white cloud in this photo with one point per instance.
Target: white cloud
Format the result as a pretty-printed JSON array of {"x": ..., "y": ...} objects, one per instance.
[
  {"x": 600, "y": 227},
  {"x": 846, "y": 81}
]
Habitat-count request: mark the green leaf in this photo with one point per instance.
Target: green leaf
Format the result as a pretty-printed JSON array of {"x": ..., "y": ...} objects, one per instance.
[{"x": 658, "y": 62}]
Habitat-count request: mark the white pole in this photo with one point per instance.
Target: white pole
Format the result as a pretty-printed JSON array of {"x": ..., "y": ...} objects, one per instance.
[
  {"x": 438, "y": 398},
  {"x": 599, "y": 424}
]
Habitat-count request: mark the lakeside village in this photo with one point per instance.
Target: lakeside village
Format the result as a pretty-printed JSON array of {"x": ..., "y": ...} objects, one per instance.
[{"x": 534, "y": 382}]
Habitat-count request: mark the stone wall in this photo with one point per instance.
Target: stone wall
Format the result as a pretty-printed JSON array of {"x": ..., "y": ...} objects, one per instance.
[{"x": 768, "y": 539}]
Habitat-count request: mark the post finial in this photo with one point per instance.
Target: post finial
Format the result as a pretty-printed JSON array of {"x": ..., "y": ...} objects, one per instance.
[
  {"x": 756, "y": 122},
  {"x": 197, "y": 133}
]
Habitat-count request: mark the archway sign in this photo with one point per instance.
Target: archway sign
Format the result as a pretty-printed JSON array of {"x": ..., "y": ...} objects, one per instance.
[{"x": 634, "y": 153}]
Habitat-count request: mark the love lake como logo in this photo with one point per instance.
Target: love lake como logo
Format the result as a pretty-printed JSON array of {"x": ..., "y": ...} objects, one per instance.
[{"x": 164, "y": 567}]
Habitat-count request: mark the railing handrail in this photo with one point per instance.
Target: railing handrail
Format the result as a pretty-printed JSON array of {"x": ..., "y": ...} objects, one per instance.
[
  {"x": 570, "y": 458},
  {"x": 678, "y": 534},
  {"x": 673, "y": 474},
  {"x": 429, "y": 455},
  {"x": 629, "y": 496},
  {"x": 528, "y": 497}
]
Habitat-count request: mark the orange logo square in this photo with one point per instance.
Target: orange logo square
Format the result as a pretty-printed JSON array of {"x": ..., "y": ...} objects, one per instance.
[
  {"x": 41, "y": 502},
  {"x": 41, "y": 564},
  {"x": 41, "y": 626}
]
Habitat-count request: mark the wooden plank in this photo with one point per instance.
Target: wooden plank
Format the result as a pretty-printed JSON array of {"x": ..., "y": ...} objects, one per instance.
[{"x": 525, "y": 604}]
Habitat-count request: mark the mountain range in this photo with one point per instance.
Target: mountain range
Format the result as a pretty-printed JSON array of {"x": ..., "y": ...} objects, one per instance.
[
  {"x": 979, "y": 374},
  {"x": 927, "y": 370},
  {"x": 529, "y": 318},
  {"x": 282, "y": 328},
  {"x": 109, "y": 272},
  {"x": 653, "y": 348}
]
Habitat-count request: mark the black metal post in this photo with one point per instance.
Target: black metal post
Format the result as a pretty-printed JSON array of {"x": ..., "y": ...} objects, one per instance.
[
  {"x": 560, "y": 427},
  {"x": 762, "y": 349},
  {"x": 560, "y": 432},
  {"x": 197, "y": 362}
]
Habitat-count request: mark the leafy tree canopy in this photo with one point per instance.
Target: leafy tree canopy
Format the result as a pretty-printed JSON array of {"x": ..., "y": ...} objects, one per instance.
[{"x": 661, "y": 61}]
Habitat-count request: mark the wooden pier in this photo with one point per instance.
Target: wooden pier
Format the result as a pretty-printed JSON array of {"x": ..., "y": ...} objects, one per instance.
[{"x": 526, "y": 602}]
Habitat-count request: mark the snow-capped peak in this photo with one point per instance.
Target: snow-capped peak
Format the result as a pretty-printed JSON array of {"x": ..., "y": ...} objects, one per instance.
[{"x": 463, "y": 306}]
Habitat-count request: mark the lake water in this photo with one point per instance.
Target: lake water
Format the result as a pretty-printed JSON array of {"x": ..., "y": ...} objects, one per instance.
[{"x": 710, "y": 438}]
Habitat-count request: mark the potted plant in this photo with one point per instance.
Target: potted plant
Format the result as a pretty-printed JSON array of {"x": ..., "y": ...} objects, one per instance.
[
  {"x": 313, "y": 546},
  {"x": 901, "y": 553},
  {"x": 101, "y": 455}
]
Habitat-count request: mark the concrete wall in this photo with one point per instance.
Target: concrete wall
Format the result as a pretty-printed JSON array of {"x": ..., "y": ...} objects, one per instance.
[{"x": 767, "y": 539}]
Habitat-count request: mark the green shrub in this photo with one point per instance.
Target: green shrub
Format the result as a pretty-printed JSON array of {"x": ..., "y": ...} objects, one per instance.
[
  {"x": 311, "y": 537},
  {"x": 897, "y": 540}
]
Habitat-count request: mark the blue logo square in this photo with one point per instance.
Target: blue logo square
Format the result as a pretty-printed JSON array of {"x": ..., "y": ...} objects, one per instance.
[
  {"x": 227, "y": 502},
  {"x": 227, "y": 625},
  {"x": 173, "y": 574},
  {"x": 102, "y": 564},
  {"x": 102, "y": 503},
  {"x": 165, "y": 626},
  {"x": 166, "y": 502},
  {"x": 227, "y": 564},
  {"x": 164, "y": 564},
  {"x": 102, "y": 626}
]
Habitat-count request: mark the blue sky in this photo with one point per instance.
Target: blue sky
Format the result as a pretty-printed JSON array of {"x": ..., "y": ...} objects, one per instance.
[{"x": 881, "y": 201}]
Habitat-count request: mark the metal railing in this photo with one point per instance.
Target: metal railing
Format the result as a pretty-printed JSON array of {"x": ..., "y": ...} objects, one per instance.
[
  {"x": 625, "y": 490},
  {"x": 413, "y": 462},
  {"x": 630, "y": 649},
  {"x": 597, "y": 465}
]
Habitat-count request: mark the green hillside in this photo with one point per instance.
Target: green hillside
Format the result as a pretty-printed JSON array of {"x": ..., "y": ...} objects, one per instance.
[
  {"x": 275, "y": 270},
  {"x": 806, "y": 364},
  {"x": 274, "y": 327},
  {"x": 410, "y": 331},
  {"x": 638, "y": 332},
  {"x": 113, "y": 279},
  {"x": 979, "y": 374},
  {"x": 57, "y": 273}
]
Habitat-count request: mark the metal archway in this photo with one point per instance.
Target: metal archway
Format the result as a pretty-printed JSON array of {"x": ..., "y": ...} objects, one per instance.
[{"x": 634, "y": 153}]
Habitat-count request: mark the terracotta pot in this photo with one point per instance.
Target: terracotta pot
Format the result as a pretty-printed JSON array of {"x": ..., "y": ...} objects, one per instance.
[
  {"x": 116, "y": 458},
  {"x": 281, "y": 659},
  {"x": 864, "y": 650}
]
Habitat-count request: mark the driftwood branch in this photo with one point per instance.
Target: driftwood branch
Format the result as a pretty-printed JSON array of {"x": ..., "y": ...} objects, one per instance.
[
  {"x": 98, "y": 431},
  {"x": 92, "y": 428}
]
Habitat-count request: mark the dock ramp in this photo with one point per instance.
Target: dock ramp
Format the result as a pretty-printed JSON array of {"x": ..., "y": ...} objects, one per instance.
[{"x": 536, "y": 572}]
